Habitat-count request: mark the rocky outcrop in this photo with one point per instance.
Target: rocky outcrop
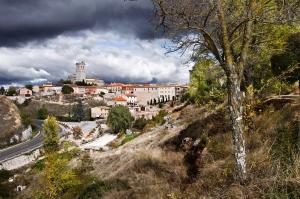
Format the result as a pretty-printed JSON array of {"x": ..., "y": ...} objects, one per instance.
[{"x": 10, "y": 120}]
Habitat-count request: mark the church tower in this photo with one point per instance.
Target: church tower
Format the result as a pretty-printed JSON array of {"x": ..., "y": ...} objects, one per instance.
[{"x": 80, "y": 71}]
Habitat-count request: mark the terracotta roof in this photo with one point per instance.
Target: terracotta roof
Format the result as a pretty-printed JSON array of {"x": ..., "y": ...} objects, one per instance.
[{"x": 119, "y": 99}]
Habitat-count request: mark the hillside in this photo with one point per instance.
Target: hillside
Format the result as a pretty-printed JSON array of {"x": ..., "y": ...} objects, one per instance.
[
  {"x": 163, "y": 163},
  {"x": 10, "y": 119},
  {"x": 194, "y": 159}
]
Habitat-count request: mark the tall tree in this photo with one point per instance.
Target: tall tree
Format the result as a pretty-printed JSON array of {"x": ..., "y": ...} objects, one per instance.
[
  {"x": 51, "y": 137},
  {"x": 29, "y": 86},
  {"x": 224, "y": 31},
  {"x": 2, "y": 90},
  {"x": 11, "y": 91},
  {"x": 119, "y": 118},
  {"x": 78, "y": 111}
]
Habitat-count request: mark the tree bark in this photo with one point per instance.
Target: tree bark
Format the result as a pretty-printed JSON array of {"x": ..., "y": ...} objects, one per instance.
[{"x": 236, "y": 117}]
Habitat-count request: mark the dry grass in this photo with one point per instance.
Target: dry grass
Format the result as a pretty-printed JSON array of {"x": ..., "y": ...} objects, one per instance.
[
  {"x": 153, "y": 169},
  {"x": 163, "y": 174}
]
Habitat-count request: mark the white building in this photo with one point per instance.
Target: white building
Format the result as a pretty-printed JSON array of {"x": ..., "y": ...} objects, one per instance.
[
  {"x": 119, "y": 100},
  {"x": 167, "y": 93},
  {"x": 131, "y": 99},
  {"x": 146, "y": 93},
  {"x": 80, "y": 90},
  {"x": 94, "y": 81},
  {"x": 146, "y": 112},
  {"x": 100, "y": 112},
  {"x": 50, "y": 90},
  {"x": 36, "y": 89},
  {"x": 24, "y": 92}
]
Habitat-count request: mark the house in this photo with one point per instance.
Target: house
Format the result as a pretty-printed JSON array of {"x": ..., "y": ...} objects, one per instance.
[
  {"x": 100, "y": 112},
  {"x": 36, "y": 89},
  {"x": 56, "y": 89},
  {"x": 167, "y": 92},
  {"x": 91, "y": 90},
  {"x": 146, "y": 93},
  {"x": 94, "y": 81},
  {"x": 24, "y": 92},
  {"x": 114, "y": 87},
  {"x": 131, "y": 99},
  {"x": 102, "y": 90},
  {"x": 119, "y": 100},
  {"x": 146, "y": 112},
  {"x": 127, "y": 89},
  {"x": 80, "y": 90},
  {"x": 49, "y": 89}
]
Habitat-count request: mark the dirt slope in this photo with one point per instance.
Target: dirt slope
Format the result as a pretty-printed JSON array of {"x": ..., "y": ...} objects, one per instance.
[{"x": 10, "y": 120}]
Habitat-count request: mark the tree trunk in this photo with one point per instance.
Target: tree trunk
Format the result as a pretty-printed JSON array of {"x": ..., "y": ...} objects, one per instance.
[{"x": 236, "y": 116}]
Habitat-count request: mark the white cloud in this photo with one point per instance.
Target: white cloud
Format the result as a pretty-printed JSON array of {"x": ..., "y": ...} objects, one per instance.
[{"x": 108, "y": 55}]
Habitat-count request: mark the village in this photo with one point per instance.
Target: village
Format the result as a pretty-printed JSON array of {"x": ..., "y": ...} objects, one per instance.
[
  {"x": 141, "y": 99},
  {"x": 82, "y": 105}
]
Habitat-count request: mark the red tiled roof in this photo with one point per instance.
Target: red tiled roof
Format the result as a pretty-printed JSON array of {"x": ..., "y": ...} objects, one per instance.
[{"x": 119, "y": 99}]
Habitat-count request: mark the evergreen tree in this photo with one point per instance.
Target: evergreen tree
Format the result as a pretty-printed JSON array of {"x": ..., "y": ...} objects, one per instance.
[
  {"x": 11, "y": 91},
  {"x": 78, "y": 111},
  {"x": 2, "y": 90},
  {"x": 29, "y": 86}
]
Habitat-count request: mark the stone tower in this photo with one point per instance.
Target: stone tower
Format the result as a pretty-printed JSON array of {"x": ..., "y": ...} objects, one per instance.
[{"x": 80, "y": 72}]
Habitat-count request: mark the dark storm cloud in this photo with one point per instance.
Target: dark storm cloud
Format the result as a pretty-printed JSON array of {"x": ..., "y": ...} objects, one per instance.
[{"x": 26, "y": 20}]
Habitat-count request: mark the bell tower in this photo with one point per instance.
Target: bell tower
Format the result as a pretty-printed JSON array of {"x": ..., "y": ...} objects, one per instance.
[{"x": 80, "y": 71}]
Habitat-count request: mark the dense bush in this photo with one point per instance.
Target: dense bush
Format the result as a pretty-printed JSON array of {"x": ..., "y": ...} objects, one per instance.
[
  {"x": 67, "y": 89},
  {"x": 42, "y": 113}
]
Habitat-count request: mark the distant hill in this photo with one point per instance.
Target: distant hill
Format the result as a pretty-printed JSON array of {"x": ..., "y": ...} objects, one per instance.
[{"x": 10, "y": 120}]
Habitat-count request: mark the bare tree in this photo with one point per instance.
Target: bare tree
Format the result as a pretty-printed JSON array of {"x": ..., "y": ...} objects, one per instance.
[{"x": 224, "y": 31}]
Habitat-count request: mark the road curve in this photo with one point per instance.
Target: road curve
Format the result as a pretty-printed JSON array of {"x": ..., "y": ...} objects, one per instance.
[
  {"x": 25, "y": 147},
  {"x": 21, "y": 148}
]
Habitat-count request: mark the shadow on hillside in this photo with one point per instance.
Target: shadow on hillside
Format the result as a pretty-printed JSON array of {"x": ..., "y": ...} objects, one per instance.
[{"x": 213, "y": 124}]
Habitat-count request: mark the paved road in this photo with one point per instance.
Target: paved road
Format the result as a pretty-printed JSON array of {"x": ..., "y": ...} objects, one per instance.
[
  {"x": 25, "y": 147},
  {"x": 22, "y": 148}
]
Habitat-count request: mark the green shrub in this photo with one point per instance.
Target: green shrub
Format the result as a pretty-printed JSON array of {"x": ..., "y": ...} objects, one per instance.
[
  {"x": 140, "y": 123},
  {"x": 42, "y": 113},
  {"x": 39, "y": 165},
  {"x": 26, "y": 118},
  {"x": 128, "y": 138}
]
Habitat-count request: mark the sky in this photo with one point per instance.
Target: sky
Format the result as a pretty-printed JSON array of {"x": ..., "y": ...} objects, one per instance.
[{"x": 42, "y": 40}]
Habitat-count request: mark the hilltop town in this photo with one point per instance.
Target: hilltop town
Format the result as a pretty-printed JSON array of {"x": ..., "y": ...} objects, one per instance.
[
  {"x": 112, "y": 127},
  {"x": 141, "y": 99}
]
